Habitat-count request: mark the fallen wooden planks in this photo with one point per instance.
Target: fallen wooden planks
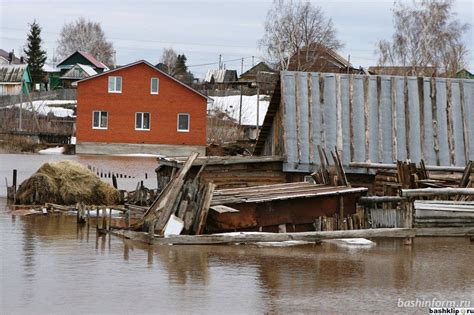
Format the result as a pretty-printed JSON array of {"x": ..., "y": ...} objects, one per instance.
[{"x": 249, "y": 238}]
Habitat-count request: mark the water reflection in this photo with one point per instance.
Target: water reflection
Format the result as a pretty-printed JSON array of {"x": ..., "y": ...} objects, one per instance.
[{"x": 325, "y": 277}]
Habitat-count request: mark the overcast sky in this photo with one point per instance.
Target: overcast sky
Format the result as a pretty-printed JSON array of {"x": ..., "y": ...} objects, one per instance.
[{"x": 201, "y": 29}]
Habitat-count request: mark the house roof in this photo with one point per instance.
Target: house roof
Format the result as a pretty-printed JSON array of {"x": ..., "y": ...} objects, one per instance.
[
  {"x": 221, "y": 75},
  {"x": 261, "y": 66},
  {"x": 87, "y": 70},
  {"x": 6, "y": 55},
  {"x": 12, "y": 73},
  {"x": 149, "y": 65},
  {"x": 50, "y": 68},
  {"x": 87, "y": 56}
]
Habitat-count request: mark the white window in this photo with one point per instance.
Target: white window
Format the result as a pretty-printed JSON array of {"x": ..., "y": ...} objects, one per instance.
[
  {"x": 115, "y": 84},
  {"x": 142, "y": 121},
  {"x": 99, "y": 120},
  {"x": 155, "y": 86},
  {"x": 183, "y": 122}
]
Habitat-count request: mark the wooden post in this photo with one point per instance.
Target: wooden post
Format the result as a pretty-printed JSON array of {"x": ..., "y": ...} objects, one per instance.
[
  {"x": 409, "y": 219},
  {"x": 104, "y": 218},
  {"x": 97, "y": 218},
  {"x": 127, "y": 218},
  {"x": 14, "y": 184},
  {"x": 114, "y": 181},
  {"x": 110, "y": 218},
  {"x": 81, "y": 213},
  {"x": 341, "y": 213}
]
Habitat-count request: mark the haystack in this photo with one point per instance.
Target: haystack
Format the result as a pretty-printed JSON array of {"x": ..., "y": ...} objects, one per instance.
[{"x": 66, "y": 183}]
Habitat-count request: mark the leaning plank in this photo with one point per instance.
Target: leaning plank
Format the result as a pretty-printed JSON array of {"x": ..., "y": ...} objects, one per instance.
[
  {"x": 160, "y": 211},
  {"x": 201, "y": 223}
]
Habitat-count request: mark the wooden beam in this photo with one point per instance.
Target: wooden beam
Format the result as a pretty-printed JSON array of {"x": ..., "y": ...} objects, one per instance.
[{"x": 423, "y": 192}]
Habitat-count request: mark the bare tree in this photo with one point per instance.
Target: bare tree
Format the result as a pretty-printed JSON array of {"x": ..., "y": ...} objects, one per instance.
[
  {"x": 294, "y": 32},
  {"x": 85, "y": 36},
  {"x": 427, "y": 35},
  {"x": 168, "y": 59}
]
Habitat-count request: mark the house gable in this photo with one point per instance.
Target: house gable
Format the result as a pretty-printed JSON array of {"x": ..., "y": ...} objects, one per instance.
[
  {"x": 81, "y": 58},
  {"x": 115, "y": 72}
]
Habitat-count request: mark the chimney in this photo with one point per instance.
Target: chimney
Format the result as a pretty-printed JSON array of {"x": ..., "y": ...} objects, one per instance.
[{"x": 11, "y": 56}]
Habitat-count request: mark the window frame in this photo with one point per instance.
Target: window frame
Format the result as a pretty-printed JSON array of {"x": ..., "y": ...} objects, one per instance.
[
  {"x": 157, "y": 86},
  {"x": 189, "y": 122},
  {"x": 115, "y": 84},
  {"x": 149, "y": 121},
  {"x": 100, "y": 115}
]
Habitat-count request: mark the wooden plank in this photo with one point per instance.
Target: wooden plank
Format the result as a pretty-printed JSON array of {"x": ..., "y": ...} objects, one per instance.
[
  {"x": 394, "y": 119},
  {"x": 424, "y": 192},
  {"x": 450, "y": 123},
  {"x": 351, "y": 117},
  {"x": 223, "y": 209},
  {"x": 311, "y": 143},
  {"x": 464, "y": 122},
  {"x": 434, "y": 114},
  {"x": 421, "y": 103},
  {"x": 366, "y": 118},
  {"x": 338, "y": 113},
  {"x": 379, "y": 119},
  {"x": 205, "y": 209},
  {"x": 322, "y": 127},
  {"x": 407, "y": 116}
]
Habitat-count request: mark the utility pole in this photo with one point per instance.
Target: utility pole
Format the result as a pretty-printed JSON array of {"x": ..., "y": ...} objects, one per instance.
[
  {"x": 115, "y": 58},
  {"x": 220, "y": 61},
  {"x": 258, "y": 109},
  {"x": 240, "y": 106},
  {"x": 253, "y": 63}
]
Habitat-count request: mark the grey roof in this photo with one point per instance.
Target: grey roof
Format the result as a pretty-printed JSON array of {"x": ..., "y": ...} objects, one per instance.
[
  {"x": 79, "y": 71},
  {"x": 220, "y": 76},
  {"x": 12, "y": 73}
]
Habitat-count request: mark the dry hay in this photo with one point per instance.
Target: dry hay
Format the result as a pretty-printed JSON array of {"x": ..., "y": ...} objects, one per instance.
[{"x": 66, "y": 183}]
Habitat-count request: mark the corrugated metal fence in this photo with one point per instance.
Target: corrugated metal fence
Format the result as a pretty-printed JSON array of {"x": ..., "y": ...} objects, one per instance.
[{"x": 377, "y": 118}]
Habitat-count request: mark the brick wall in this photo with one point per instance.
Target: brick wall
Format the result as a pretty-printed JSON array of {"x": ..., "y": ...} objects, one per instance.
[{"x": 173, "y": 98}]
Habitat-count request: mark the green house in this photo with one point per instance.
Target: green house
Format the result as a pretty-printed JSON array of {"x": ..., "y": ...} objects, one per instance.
[
  {"x": 14, "y": 78},
  {"x": 83, "y": 58},
  {"x": 464, "y": 74}
]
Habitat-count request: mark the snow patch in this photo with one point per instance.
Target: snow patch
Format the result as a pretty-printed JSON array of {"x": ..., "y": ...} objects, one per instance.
[
  {"x": 55, "y": 150},
  {"x": 231, "y": 104},
  {"x": 44, "y": 107}
]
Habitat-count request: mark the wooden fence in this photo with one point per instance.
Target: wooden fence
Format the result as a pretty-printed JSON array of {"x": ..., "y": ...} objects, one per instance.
[{"x": 378, "y": 119}]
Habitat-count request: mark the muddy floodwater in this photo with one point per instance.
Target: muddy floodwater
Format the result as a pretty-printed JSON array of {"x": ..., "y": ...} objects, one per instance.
[{"x": 50, "y": 266}]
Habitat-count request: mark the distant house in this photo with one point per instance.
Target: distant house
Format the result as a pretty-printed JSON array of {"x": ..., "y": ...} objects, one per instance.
[
  {"x": 13, "y": 77},
  {"x": 464, "y": 74},
  {"x": 251, "y": 74},
  {"x": 52, "y": 76},
  {"x": 83, "y": 58},
  {"x": 220, "y": 78},
  {"x": 138, "y": 108},
  {"x": 76, "y": 73},
  {"x": 319, "y": 58},
  {"x": 9, "y": 58},
  {"x": 403, "y": 71}
]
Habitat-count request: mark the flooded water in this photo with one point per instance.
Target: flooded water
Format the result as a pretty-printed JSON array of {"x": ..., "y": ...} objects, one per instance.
[{"x": 50, "y": 266}]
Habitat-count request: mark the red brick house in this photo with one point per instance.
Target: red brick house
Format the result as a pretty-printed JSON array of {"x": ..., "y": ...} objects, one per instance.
[{"x": 139, "y": 109}]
